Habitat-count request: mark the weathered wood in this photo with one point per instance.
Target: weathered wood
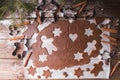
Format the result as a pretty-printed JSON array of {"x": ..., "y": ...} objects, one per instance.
[
  {"x": 7, "y": 76},
  {"x": 6, "y": 53},
  {"x": 8, "y": 70},
  {"x": 7, "y": 56}
]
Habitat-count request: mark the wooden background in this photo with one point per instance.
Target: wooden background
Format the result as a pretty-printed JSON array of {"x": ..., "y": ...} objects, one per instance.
[{"x": 7, "y": 63}]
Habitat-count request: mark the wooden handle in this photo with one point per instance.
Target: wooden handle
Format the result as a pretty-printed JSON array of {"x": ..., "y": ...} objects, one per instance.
[
  {"x": 109, "y": 30},
  {"x": 111, "y": 38}
]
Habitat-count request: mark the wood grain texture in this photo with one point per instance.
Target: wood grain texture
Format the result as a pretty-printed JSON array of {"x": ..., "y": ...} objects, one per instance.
[
  {"x": 7, "y": 56},
  {"x": 6, "y": 71},
  {"x": 110, "y": 8},
  {"x": 6, "y": 50}
]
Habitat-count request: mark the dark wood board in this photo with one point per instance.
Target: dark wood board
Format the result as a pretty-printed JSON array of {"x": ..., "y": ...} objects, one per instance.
[{"x": 105, "y": 8}]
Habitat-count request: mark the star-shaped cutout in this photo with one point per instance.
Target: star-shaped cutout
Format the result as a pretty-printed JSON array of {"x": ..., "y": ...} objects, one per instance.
[
  {"x": 78, "y": 72},
  {"x": 88, "y": 32},
  {"x": 43, "y": 58},
  {"x": 78, "y": 56},
  {"x": 47, "y": 73},
  {"x": 57, "y": 32},
  {"x": 32, "y": 70}
]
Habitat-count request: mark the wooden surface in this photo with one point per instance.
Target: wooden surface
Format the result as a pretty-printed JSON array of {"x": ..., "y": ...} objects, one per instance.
[
  {"x": 103, "y": 8},
  {"x": 10, "y": 68},
  {"x": 6, "y": 71},
  {"x": 9, "y": 65}
]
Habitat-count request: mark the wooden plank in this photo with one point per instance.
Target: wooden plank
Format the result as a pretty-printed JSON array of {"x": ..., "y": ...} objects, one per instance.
[
  {"x": 6, "y": 65},
  {"x": 6, "y": 54},
  {"x": 9, "y": 69},
  {"x": 7, "y": 76}
]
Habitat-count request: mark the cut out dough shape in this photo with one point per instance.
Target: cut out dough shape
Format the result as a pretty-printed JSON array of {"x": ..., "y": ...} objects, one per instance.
[
  {"x": 89, "y": 32},
  {"x": 62, "y": 63},
  {"x": 47, "y": 73},
  {"x": 73, "y": 37},
  {"x": 78, "y": 72},
  {"x": 78, "y": 56},
  {"x": 47, "y": 43},
  {"x": 90, "y": 47},
  {"x": 43, "y": 58},
  {"x": 57, "y": 32},
  {"x": 32, "y": 70},
  {"x": 97, "y": 68},
  {"x": 32, "y": 28}
]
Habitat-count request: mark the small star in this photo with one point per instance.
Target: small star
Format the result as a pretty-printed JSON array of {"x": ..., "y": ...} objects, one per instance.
[
  {"x": 47, "y": 73},
  {"x": 78, "y": 72},
  {"x": 88, "y": 32},
  {"x": 32, "y": 70},
  {"x": 57, "y": 32},
  {"x": 43, "y": 58},
  {"x": 78, "y": 56}
]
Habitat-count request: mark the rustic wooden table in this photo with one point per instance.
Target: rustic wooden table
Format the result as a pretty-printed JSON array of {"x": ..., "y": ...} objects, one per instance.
[
  {"x": 7, "y": 62},
  {"x": 111, "y": 8}
]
